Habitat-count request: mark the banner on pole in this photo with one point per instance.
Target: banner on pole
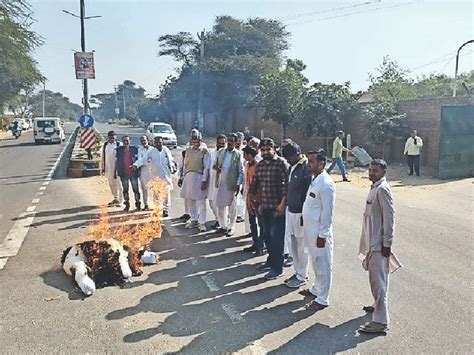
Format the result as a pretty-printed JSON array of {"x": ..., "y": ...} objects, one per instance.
[{"x": 84, "y": 64}]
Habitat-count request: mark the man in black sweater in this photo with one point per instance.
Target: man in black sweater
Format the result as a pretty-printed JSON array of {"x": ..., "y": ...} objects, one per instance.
[{"x": 127, "y": 155}]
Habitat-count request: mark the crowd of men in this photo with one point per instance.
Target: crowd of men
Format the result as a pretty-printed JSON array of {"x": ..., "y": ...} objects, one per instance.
[{"x": 286, "y": 199}]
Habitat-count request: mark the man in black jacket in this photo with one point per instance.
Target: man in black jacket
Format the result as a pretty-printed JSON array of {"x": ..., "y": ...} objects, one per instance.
[
  {"x": 299, "y": 179},
  {"x": 127, "y": 155}
]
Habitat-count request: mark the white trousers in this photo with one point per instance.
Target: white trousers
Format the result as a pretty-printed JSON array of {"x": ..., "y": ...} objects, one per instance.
[
  {"x": 197, "y": 210},
  {"x": 186, "y": 206},
  {"x": 145, "y": 178},
  {"x": 240, "y": 206},
  {"x": 167, "y": 202},
  {"x": 378, "y": 268},
  {"x": 213, "y": 207},
  {"x": 321, "y": 261},
  {"x": 297, "y": 245},
  {"x": 287, "y": 244},
  {"x": 247, "y": 222},
  {"x": 227, "y": 215},
  {"x": 115, "y": 187}
]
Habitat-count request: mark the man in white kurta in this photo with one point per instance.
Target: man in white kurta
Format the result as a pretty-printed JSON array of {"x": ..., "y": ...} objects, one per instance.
[
  {"x": 109, "y": 158},
  {"x": 318, "y": 210},
  {"x": 230, "y": 176},
  {"x": 375, "y": 248},
  {"x": 145, "y": 171},
  {"x": 162, "y": 165},
  {"x": 194, "y": 185},
  {"x": 212, "y": 192}
]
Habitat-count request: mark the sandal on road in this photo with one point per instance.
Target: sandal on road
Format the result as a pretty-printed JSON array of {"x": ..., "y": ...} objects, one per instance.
[
  {"x": 306, "y": 292},
  {"x": 373, "y": 327},
  {"x": 314, "y": 306},
  {"x": 368, "y": 309}
]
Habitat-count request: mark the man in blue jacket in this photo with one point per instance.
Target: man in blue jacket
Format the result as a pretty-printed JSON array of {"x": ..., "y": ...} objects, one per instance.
[{"x": 127, "y": 155}]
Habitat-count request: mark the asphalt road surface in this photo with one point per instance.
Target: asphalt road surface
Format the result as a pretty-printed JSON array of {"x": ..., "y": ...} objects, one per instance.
[{"x": 205, "y": 295}]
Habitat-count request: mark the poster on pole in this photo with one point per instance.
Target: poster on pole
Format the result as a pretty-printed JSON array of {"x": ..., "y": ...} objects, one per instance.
[{"x": 84, "y": 64}]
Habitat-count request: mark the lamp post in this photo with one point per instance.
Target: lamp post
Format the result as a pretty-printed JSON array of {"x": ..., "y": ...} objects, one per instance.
[
  {"x": 83, "y": 17},
  {"x": 44, "y": 96},
  {"x": 457, "y": 66}
]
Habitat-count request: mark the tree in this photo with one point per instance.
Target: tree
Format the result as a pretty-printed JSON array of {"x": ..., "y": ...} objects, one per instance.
[
  {"x": 282, "y": 94},
  {"x": 18, "y": 70},
  {"x": 326, "y": 106},
  {"x": 56, "y": 105},
  {"x": 181, "y": 46}
]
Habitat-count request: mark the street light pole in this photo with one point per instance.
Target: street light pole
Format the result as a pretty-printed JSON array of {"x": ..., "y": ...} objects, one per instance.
[
  {"x": 457, "y": 66},
  {"x": 83, "y": 49},
  {"x": 200, "y": 118},
  {"x": 44, "y": 96}
]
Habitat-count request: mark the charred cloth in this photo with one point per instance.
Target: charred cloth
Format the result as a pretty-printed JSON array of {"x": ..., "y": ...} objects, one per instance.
[{"x": 96, "y": 264}]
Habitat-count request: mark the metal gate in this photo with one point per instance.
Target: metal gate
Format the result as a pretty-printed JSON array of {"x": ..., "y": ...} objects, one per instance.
[{"x": 456, "y": 142}]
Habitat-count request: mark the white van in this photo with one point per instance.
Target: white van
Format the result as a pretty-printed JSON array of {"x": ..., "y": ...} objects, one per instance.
[
  {"x": 48, "y": 130},
  {"x": 163, "y": 130}
]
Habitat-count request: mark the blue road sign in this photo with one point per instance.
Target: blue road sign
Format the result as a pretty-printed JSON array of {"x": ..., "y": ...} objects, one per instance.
[{"x": 86, "y": 121}]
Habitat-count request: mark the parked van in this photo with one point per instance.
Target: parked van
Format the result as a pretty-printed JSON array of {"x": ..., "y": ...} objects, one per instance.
[{"x": 48, "y": 130}]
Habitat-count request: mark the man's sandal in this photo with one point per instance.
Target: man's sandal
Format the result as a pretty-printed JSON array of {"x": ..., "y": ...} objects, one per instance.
[
  {"x": 314, "y": 306},
  {"x": 368, "y": 309},
  {"x": 306, "y": 292},
  {"x": 373, "y": 327}
]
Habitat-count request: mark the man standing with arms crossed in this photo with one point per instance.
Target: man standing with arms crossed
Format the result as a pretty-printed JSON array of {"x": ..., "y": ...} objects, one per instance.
[
  {"x": 318, "y": 209},
  {"x": 271, "y": 179},
  {"x": 109, "y": 158},
  {"x": 412, "y": 151},
  {"x": 375, "y": 248}
]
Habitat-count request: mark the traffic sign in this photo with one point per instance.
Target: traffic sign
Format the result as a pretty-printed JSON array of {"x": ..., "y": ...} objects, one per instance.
[
  {"x": 86, "y": 121},
  {"x": 88, "y": 139}
]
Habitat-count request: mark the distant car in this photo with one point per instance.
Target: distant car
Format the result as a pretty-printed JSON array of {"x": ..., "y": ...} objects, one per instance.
[
  {"x": 111, "y": 121},
  {"x": 48, "y": 130},
  {"x": 23, "y": 123},
  {"x": 163, "y": 130}
]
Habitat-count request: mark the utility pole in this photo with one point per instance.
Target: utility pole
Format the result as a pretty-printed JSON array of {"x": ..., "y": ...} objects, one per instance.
[
  {"x": 117, "y": 111},
  {"x": 83, "y": 17},
  {"x": 457, "y": 66},
  {"x": 124, "y": 106},
  {"x": 200, "y": 115},
  {"x": 44, "y": 95}
]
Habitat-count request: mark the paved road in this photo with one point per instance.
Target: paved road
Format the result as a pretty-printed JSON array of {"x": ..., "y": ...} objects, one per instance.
[{"x": 205, "y": 295}]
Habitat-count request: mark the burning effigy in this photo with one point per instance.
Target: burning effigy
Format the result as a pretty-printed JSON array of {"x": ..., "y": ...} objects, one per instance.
[{"x": 111, "y": 253}]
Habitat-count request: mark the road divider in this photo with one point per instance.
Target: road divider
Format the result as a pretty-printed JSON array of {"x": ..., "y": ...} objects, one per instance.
[{"x": 79, "y": 164}]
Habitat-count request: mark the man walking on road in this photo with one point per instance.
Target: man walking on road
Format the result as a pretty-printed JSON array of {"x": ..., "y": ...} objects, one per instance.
[
  {"x": 109, "y": 158},
  {"x": 337, "y": 149},
  {"x": 145, "y": 170},
  {"x": 162, "y": 165},
  {"x": 271, "y": 179},
  {"x": 299, "y": 178},
  {"x": 127, "y": 155},
  {"x": 195, "y": 182},
  {"x": 318, "y": 210},
  {"x": 211, "y": 196},
  {"x": 412, "y": 151},
  {"x": 229, "y": 176},
  {"x": 375, "y": 249}
]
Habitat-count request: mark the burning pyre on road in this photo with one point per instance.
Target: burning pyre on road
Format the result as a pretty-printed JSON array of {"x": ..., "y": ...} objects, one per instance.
[{"x": 111, "y": 253}]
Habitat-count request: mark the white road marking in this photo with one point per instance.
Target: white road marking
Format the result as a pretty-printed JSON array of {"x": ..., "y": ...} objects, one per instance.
[
  {"x": 194, "y": 261},
  {"x": 42, "y": 188},
  {"x": 20, "y": 228},
  {"x": 210, "y": 283},
  {"x": 17, "y": 234},
  {"x": 39, "y": 193},
  {"x": 3, "y": 262},
  {"x": 231, "y": 310}
]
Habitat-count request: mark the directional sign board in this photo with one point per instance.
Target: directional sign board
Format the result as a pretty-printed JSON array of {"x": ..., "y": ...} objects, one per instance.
[
  {"x": 88, "y": 140},
  {"x": 86, "y": 121}
]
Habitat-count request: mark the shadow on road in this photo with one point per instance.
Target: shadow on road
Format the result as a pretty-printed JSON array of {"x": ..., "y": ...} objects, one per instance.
[
  {"x": 62, "y": 282},
  {"x": 203, "y": 313}
]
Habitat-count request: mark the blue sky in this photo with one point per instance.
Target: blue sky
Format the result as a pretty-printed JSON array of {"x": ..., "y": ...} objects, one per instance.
[{"x": 337, "y": 45}]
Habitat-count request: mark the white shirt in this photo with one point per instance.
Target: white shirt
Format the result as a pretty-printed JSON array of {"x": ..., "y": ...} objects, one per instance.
[
  {"x": 318, "y": 206},
  {"x": 411, "y": 148},
  {"x": 212, "y": 175},
  {"x": 142, "y": 152},
  {"x": 110, "y": 156},
  {"x": 161, "y": 162}
]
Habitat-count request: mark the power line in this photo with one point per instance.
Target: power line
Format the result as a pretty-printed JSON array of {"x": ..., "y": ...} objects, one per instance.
[
  {"x": 351, "y": 13},
  {"x": 319, "y": 12}
]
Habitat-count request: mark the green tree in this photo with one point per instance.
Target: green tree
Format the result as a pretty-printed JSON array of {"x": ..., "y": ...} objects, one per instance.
[
  {"x": 18, "y": 70},
  {"x": 282, "y": 93},
  {"x": 56, "y": 105},
  {"x": 326, "y": 107}
]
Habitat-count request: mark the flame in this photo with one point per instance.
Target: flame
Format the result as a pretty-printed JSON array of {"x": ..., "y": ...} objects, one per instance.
[{"x": 135, "y": 235}]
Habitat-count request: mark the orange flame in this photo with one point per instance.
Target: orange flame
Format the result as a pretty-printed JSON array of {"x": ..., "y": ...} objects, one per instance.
[{"x": 130, "y": 231}]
